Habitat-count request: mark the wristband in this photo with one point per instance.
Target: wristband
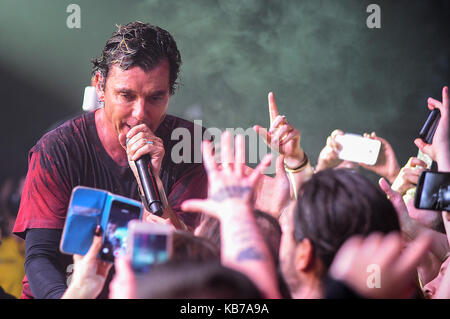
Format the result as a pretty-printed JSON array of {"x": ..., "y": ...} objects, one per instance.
[{"x": 299, "y": 168}]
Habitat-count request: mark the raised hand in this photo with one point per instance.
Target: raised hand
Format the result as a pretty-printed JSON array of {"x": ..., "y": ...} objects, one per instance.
[
  {"x": 408, "y": 175},
  {"x": 412, "y": 228},
  {"x": 273, "y": 194},
  {"x": 230, "y": 199},
  {"x": 387, "y": 164},
  {"x": 89, "y": 272},
  {"x": 439, "y": 149},
  {"x": 282, "y": 137},
  {"x": 358, "y": 257},
  {"x": 228, "y": 185}
]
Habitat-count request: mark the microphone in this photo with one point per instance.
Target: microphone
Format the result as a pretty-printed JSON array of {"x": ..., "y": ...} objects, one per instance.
[{"x": 148, "y": 182}]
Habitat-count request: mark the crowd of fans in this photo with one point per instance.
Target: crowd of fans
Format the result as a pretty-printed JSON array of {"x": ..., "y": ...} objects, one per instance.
[{"x": 327, "y": 232}]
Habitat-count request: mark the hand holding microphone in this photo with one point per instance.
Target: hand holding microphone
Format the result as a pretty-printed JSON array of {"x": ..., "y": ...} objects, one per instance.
[{"x": 145, "y": 153}]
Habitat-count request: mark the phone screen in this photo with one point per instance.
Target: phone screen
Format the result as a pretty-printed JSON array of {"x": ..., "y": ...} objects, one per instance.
[
  {"x": 433, "y": 191},
  {"x": 148, "y": 250},
  {"x": 116, "y": 232}
]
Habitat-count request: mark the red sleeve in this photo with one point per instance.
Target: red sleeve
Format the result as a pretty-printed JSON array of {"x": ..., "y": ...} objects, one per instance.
[
  {"x": 46, "y": 193},
  {"x": 193, "y": 184}
]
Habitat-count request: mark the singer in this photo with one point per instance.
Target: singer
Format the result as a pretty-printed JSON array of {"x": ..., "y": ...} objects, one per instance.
[{"x": 134, "y": 77}]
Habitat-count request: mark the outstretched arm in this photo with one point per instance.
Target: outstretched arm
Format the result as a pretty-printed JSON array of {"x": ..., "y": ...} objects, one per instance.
[{"x": 230, "y": 199}]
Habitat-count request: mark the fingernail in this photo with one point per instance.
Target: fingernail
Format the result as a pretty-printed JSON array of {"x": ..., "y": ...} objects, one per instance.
[{"x": 98, "y": 230}]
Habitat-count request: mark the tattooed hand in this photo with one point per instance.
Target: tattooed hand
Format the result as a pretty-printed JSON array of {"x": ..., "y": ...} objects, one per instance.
[
  {"x": 228, "y": 186},
  {"x": 230, "y": 199}
]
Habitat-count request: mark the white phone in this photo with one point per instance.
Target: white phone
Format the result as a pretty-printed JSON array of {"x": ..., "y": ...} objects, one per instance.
[
  {"x": 356, "y": 148},
  {"x": 148, "y": 244}
]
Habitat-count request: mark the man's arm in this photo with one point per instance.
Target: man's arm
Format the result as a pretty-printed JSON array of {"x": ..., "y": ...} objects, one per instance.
[
  {"x": 230, "y": 195},
  {"x": 41, "y": 218},
  {"x": 42, "y": 265}
]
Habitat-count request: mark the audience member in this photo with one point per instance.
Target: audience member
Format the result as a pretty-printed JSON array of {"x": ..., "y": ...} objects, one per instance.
[
  {"x": 333, "y": 206},
  {"x": 12, "y": 248}
]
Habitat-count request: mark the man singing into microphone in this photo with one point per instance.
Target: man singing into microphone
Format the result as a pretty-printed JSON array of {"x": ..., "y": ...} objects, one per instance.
[{"x": 135, "y": 77}]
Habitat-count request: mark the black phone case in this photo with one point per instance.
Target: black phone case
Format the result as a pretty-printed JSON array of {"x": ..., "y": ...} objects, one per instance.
[{"x": 430, "y": 125}]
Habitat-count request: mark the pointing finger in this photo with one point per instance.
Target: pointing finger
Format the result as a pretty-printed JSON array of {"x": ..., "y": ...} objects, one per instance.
[{"x": 273, "y": 110}]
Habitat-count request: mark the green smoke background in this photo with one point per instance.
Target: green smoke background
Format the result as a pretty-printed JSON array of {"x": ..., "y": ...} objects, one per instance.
[{"x": 326, "y": 68}]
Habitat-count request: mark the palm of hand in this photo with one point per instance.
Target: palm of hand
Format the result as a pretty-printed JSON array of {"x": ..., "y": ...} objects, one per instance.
[{"x": 273, "y": 193}]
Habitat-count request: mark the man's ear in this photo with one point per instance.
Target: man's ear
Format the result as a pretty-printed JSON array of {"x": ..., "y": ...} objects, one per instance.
[
  {"x": 97, "y": 82},
  {"x": 304, "y": 255}
]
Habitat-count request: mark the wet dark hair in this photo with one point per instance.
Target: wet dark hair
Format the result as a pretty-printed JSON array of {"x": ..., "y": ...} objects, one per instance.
[
  {"x": 139, "y": 44},
  {"x": 336, "y": 204}
]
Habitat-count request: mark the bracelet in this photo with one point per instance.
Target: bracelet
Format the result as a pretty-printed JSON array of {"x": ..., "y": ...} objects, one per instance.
[{"x": 299, "y": 168}]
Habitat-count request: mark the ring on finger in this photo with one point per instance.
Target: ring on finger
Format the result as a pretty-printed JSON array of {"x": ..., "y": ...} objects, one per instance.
[
  {"x": 282, "y": 122},
  {"x": 273, "y": 128}
]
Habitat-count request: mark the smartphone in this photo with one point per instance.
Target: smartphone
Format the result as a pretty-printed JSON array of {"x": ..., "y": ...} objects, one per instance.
[
  {"x": 429, "y": 127},
  {"x": 150, "y": 244},
  {"x": 356, "y": 148},
  {"x": 116, "y": 231},
  {"x": 83, "y": 215},
  {"x": 433, "y": 191}
]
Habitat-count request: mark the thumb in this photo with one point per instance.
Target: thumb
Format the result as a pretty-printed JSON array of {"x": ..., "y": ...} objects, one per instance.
[{"x": 96, "y": 244}]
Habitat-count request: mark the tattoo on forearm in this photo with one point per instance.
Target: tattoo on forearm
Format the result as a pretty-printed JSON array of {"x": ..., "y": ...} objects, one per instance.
[
  {"x": 250, "y": 253},
  {"x": 231, "y": 192}
]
